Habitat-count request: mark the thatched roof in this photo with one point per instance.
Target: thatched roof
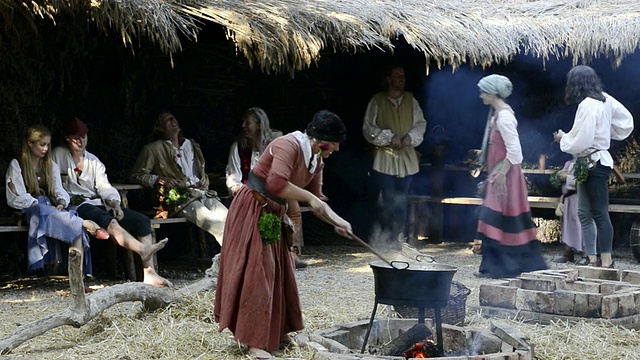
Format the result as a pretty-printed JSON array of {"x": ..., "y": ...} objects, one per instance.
[{"x": 289, "y": 35}]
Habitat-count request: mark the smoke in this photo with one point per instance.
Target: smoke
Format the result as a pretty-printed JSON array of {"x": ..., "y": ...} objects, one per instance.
[{"x": 451, "y": 99}]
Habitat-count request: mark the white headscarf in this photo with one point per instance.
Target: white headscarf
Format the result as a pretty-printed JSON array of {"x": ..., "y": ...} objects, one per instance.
[{"x": 496, "y": 85}]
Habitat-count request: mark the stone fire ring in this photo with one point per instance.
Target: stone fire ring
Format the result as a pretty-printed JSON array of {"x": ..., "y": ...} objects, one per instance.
[{"x": 343, "y": 342}]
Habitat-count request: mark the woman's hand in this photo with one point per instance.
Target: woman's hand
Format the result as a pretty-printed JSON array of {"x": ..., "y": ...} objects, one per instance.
[
  {"x": 499, "y": 181},
  {"x": 60, "y": 207},
  {"x": 562, "y": 175},
  {"x": 343, "y": 228}
]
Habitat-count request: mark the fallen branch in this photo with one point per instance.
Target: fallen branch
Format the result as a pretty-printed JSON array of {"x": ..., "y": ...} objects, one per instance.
[{"x": 84, "y": 308}]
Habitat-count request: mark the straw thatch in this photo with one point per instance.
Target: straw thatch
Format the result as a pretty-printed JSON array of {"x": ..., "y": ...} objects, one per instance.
[{"x": 289, "y": 35}]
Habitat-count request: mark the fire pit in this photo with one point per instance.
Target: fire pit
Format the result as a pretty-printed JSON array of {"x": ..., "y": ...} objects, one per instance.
[
  {"x": 420, "y": 285},
  {"x": 342, "y": 342}
]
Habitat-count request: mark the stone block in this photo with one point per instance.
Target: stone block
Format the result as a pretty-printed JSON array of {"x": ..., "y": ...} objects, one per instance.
[
  {"x": 630, "y": 276},
  {"x": 484, "y": 342},
  {"x": 537, "y": 301},
  {"x": 618, "y": 305},
  {"x": 611, "y": 287},
  {"x": 579, "y": 286},
  {"x": 572, "y": 303},
  {"x": 498, "y": 296},
  {"x": 610, "y": 307},
  {"x": 455, "y": 337},
  {"x": 591, "y": 272},
  {"x": 563, "y": 302},
  {"x": 510, "y": 335},
  {"x": 626, "y": 304},
  {"x": 538, "y": 284},
  {"x": 541, "y": 275},
  {"x": 341, "y": 336},
  {"x": 514, "y": 282}
]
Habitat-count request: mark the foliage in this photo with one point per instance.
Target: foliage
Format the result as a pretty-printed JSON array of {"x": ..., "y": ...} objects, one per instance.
[
  {"x": 269, "y": 226},
  {"x": 555, "y": 182},
  {"x": 629, "y": 158},
  {"x": 175, "y": 197},
  {"x": 581, "y": 169},
  {"x": 76, "y": 200}
]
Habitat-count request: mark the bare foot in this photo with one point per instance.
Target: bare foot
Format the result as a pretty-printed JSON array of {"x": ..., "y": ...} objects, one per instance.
[
  {"x": 95, "y": 230},
  {"x": 151, "y": 249},
  {"x": 152, "y": 278},
  {"x": 259, "y": 354}
]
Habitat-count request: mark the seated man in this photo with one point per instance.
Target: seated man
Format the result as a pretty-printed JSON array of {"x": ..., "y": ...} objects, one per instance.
[
  {"x": 96, "y": 200},
  {"x": 174, "y": 162}
]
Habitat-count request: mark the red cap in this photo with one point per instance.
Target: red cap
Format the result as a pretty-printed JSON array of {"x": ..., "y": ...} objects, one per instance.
[{"x": 75, "y": 127}]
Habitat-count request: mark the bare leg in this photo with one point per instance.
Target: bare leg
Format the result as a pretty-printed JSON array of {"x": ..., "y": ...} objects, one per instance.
[
  {"x": 150, "y": 275},
  {"x": 152, "y": 278},
  {"x": 127, "y": 241}
]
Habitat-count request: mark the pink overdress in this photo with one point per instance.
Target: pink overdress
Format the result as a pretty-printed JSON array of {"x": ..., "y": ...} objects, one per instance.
[{"x": 509, "y": 244}]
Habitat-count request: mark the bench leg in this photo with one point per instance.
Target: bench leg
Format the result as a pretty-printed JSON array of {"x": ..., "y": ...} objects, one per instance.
[
  {"x": 202, "y": 240},
  {"x": 112, "y": 258},
  {"x": 130, "y": 265}
]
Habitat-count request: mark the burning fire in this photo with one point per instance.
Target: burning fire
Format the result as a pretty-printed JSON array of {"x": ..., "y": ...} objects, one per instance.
[{"x": 423, "y": 350}]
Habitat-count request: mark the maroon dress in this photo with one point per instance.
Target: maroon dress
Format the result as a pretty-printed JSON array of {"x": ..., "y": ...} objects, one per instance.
[
  {"x": 257, "y": 295},
  {"x": 509, "y": 244}
]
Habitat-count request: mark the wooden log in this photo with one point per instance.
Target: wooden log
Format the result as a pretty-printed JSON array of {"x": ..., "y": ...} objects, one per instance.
[
  {"x": 397, "y": 347},
  {"x": 83, "y": 309}
]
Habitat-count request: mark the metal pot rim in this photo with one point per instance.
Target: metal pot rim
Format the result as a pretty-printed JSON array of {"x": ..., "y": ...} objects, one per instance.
[{"x": 416, "y": 266}]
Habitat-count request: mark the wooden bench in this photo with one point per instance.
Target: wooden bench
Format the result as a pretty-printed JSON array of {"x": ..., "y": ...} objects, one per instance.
[{"x": 539, "y": 202}]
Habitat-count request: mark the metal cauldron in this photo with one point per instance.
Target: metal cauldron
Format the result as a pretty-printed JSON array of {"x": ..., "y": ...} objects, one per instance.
[{"x": 419, "y": 284}]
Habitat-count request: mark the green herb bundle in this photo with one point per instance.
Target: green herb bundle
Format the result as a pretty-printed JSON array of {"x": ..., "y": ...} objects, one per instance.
[
  {"x": 176, "y": 197},
  {"x": 581, "y": 170},
  {"x": 76, "y": 200},
  {"x": 269, "y": 226}
]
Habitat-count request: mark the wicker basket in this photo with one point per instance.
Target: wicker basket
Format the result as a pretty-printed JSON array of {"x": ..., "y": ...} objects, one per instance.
[{"x": 453, "y": 313}]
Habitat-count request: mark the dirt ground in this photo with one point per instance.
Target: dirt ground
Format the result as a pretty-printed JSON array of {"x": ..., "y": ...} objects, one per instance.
[{"x": 337, "y": 287}]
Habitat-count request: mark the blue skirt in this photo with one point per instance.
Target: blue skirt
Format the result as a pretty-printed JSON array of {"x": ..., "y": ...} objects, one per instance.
[{"x": 47, "y": 224}]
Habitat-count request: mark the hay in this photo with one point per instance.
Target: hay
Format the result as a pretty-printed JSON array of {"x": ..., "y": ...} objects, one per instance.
[
  {"x": 562, "y": 340},
  {"x": 289, "y": 35},
  {"x": 337, "y": 288}
]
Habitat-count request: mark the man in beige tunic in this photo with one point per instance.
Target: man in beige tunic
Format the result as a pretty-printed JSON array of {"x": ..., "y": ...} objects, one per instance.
[
  {"x": 395, "y": 124},
  {"x": 174, "y": 161}
]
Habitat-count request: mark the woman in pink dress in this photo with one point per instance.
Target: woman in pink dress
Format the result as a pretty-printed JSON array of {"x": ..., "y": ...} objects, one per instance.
[
  {"x": 257, "y": 295},
  {"x": 509, "y": 245}
]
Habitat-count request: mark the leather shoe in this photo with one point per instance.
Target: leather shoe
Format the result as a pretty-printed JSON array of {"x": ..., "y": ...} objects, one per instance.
[{"x": 300, "y": 264}]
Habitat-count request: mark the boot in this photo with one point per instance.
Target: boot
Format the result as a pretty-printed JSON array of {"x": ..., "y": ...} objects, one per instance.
[
  {"x": 567, "y": 255},
  {"x": 300, "y": 264}
]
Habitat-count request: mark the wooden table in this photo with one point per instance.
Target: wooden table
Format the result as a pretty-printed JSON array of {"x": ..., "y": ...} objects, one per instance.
[{"x": 540, "y": 202}]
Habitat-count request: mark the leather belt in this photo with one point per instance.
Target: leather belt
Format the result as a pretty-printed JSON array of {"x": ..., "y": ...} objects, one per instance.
[{"x": 259, "y": 197}]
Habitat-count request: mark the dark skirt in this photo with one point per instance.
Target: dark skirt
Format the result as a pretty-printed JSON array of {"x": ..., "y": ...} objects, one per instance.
[{"x": 501, "y": 261}]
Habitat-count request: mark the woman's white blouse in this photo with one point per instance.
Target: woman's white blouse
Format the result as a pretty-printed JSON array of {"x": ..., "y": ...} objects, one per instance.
[{"x": 21, "y": 199}]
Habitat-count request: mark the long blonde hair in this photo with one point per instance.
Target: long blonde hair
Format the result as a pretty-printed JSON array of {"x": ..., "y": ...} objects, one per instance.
[{"x": 35, "y": 134}]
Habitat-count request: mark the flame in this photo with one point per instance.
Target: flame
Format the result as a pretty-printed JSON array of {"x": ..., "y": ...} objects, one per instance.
[{"x": 423, "y": 350}]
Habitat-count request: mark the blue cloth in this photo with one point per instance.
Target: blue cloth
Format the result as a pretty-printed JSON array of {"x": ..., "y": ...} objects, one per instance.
[{"x": 47, "y": 224}]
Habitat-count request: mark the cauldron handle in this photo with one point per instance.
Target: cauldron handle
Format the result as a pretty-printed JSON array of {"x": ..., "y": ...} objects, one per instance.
[{"x": 404, "y": 265}]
